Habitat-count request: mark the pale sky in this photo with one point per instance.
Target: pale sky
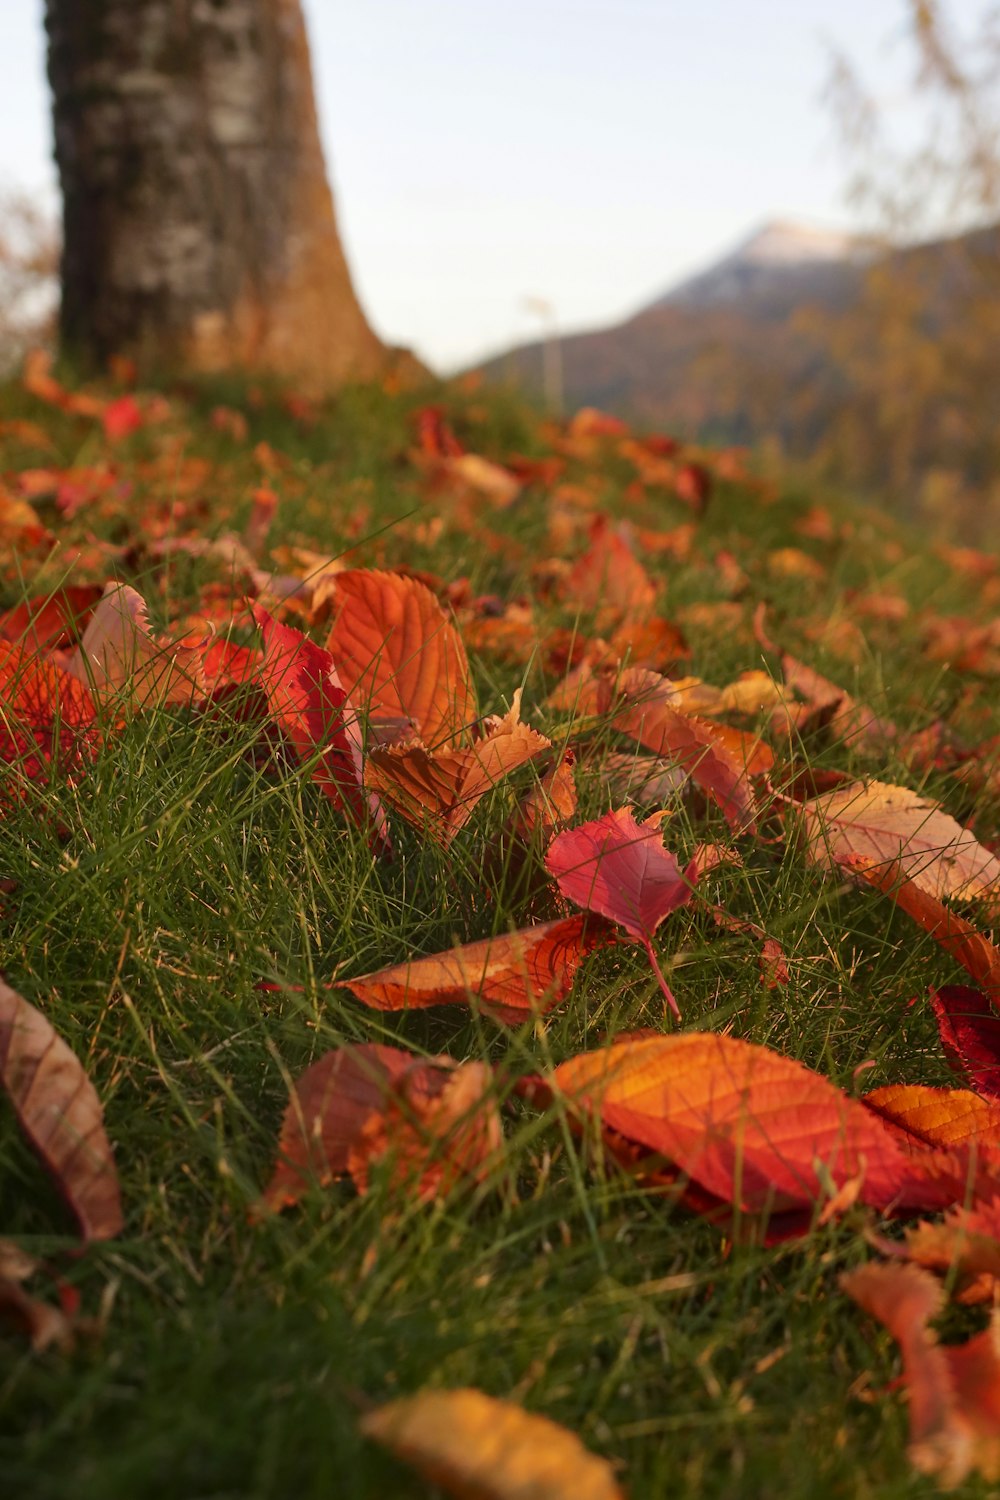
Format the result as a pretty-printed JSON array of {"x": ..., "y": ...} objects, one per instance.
[{"x": 587, "y": 152}]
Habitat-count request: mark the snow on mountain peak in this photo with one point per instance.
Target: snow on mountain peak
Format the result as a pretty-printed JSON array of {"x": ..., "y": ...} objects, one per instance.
[{"x": 783, "y": 242}]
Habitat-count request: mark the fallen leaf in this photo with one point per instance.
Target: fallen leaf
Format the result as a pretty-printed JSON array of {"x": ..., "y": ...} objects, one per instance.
[
  {"x": 969, "y": 1027},
  {"x": 853, "y": 722},
  {"x": 718, "y": 759},
  {"x": 965, "y": 1244},
  {"x": 478, "y": 1448},
  {"x": 440, "y": 1124},
  {"x": 59, "y": 1111},
  {"x": 308, "y": 702},
  {"x": 438, "y": 791},
  {"x": 619, "y": 868},
  {"x": 609, "y": 578},
  {"x": 896, "y": 826},
  {"x": 751, "y": 1127},
  {"x": 966, "y": 944},
  {"x": 547, "y": 806},
  {"x": 45, "y": 715},
  {"x": 119, "y": 655},
  {"x": 773, "y": 964},
  {"x": 444, "y": 1123},
  {"x": 925, "y": 1116},
  {"x": 954, "y": 1389},
  {"x": 514, "y": 974},
  {"x": 399, "y": 656}
]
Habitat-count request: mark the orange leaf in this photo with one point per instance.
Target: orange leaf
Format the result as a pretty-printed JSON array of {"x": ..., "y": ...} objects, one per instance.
[
  {"x": 438, "y": 791},
  {"x": 399, "y": 656},
  {"x": 514, "y": 974},
  {"x": 336, "y": 1122},
  {"x": 954, "y": 1389},
  {"x": 439, "y": 1124},
  {"x": 60, "y": 1113},
  {"x": 925, "y": 1116},
  {"x": 752, "y": 1127},
  {"x": 719, "y": 759},
  {"x": 967, "y": 1242},
  {"x": 960, "y": 938},
  {"x": 478, "y": 1448}
]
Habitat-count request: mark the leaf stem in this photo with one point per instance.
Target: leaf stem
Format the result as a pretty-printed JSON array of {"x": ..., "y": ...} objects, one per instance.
[{"x": 664, "y": 986}]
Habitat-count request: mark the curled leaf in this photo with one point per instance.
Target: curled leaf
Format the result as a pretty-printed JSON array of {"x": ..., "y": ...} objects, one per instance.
[
  {"x": 60, "y": 1113},
  {"x": 954, "y": 1389},
  {"x": 119, "y": 654},
  {"x": 438, "y": 791},
  {"x": 513, "y": 974},
  {"x": 356, "y": 1105}
]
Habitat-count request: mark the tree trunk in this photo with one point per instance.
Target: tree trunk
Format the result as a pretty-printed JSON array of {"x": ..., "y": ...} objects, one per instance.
[{"x": 198, "y": 224}]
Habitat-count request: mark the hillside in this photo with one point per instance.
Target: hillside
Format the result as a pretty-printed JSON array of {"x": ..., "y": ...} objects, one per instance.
[
  {"x": 747, "y": 349},
  {"x": 491, "y": 907}
]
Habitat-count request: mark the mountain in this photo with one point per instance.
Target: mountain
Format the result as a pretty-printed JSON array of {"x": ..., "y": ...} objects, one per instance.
[
  {"x": 780, "y": 255},
  {"x": 718, "y": 355}
]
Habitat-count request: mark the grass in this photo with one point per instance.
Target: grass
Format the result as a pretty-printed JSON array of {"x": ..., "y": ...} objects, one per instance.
[{"x": 152, "y": 896}]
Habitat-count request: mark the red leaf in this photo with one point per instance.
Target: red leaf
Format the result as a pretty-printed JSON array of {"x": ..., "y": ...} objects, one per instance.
[
  {"x": 311, "y": 707},
  {"x": 620, "y": 869},
  {"x": 969, "y": 1027}
]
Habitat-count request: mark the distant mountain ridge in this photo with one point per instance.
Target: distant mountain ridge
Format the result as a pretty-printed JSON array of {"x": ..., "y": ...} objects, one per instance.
[
  {"x": 777, "y": 252},
  {"x": 716, "y": 355}
]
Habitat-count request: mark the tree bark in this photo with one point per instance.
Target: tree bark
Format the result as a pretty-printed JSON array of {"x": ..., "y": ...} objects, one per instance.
[{"x": 199, "y": 227}]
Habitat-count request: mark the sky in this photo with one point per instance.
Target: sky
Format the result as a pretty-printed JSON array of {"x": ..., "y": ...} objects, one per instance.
[{"x": 490, "y": 154}]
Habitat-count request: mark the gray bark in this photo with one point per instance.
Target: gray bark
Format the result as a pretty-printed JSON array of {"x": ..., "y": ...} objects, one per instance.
[{"x": 198, "y": 224}]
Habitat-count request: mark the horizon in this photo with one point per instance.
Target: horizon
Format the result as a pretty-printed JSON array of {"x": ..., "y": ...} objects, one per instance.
[{"x": 608, "y": 152}]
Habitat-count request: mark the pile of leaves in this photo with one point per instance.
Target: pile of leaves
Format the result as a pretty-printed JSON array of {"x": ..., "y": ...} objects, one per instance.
[{"x": 495, "y": 818}]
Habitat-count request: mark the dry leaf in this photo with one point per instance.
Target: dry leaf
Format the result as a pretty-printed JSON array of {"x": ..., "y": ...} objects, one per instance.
[
  {"x": 893, "y": 825},
  {"x": 954, "y": 1389},
  {"x": 436, "y": 1119},
  {"x": 514, "y": 975},
  {"x": 478, "y": 1448},
  {"x": 439, "y": 791},
  {"x": 60, "y": 1113},
  {"x": 400, "y": 657}
]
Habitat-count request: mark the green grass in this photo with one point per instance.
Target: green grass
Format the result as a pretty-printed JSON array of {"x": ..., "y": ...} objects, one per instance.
[{"x": 153, "y": 895}]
